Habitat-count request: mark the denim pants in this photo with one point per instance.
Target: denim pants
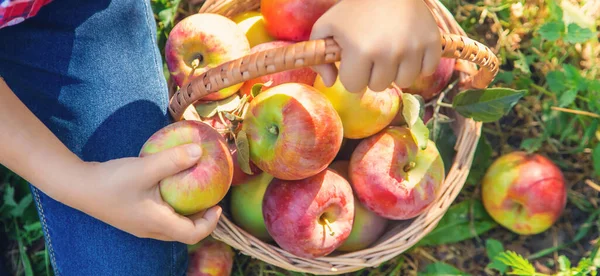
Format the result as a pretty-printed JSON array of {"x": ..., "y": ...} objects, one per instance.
[{"x": 92, "y": 73}]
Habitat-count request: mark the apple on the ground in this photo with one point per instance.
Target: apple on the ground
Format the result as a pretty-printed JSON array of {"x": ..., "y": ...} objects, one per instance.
[
  {"x": 246, "y": 205},
  {"x": 204, "y": 184},
  {"x": 210, "y": 257},
  {"x": 303, "y": 75},
  {"x": 367, "y": 226},
  {"x": 393, "y": 177},
  {"x": 525, "y": 193},
  {"x": 310, "y": 217},
  {"x": 293, "y": 20},
  {"x": 293, "y": 131},
  {"x": 200, "y": 42},
  {"x": 253, "y": 25},
  {"x": 363, "y": 113}
]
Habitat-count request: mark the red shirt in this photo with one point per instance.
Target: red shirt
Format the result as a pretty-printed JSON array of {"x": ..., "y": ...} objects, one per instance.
[{"x": 13, "y": 12}]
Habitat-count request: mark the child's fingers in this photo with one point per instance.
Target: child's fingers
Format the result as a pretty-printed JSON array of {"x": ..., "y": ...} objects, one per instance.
[
  {"x": 189, "y": 230},
  {"x": 355, "y": 70},
  {"x": 162, "y": 164},
  {"x": 384, "y": 72},
  {"x": 409, "y": 68},
  {"x": 328, "y": 73},
  {"x": 431, "y": 59}
]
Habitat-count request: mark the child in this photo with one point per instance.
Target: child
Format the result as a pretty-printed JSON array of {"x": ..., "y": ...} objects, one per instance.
[{"x": 83, "y": 88}]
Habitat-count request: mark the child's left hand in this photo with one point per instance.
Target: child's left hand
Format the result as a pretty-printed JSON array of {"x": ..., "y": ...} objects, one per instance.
[{"x": 382, "y": 41}]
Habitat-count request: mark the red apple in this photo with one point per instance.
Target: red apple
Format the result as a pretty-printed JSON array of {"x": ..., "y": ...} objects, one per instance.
[
  {"x": 367, "y": 226},
  {"x": 246, "y": 205},
  {"x": 204, "y": 184},
  {"x": 310, "y": 217},
  {"x": 292, "y": 20},
  {"x": 293, "y": 131},
  {"x": 301, "y": 75},
  {"x": 205, "y": 40},
  {"x": 210, "y": 257},
  {"x": 393, "y": 177},
  {"x": 430, "y": 86},
  {"x": 525, "y": 193}
]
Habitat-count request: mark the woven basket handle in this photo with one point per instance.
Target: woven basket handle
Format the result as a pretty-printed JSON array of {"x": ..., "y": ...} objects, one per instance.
[{"x": 310, "y": 53}]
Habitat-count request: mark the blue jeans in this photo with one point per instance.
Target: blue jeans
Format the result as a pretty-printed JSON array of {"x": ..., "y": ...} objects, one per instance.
[{"x": 92, "y": 73}]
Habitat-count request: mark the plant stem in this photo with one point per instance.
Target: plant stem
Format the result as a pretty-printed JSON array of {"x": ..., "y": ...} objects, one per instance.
[
  {"x": 573, "y": 111},
  {"x": 445, "y": 105}
]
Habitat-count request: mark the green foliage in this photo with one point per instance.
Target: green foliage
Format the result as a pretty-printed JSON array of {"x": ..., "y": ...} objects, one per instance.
[
  {"x": 493, "y": 248},
  {"x": 522, "y": 266},
  {"x": 21, "y": 224},
  {"x": 486, "y": 105},
  {"x": 464, "y": 220},
  {"x": 440, "y": 268}
]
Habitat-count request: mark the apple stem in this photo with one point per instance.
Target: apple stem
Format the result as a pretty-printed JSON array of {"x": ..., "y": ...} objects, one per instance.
[
  {"x": 410, "y": 166},
  {"x": 331, "y": 232},
  {"x": 273, "y": 130}
]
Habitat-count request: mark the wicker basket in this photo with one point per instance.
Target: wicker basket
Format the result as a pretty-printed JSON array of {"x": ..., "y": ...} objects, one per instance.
[{"x": 401, "y": 235}]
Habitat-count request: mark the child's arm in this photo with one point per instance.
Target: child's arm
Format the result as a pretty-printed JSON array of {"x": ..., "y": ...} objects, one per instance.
[
  {"x": 121, "y": 192},
  {"x": 382, "y": 41}
]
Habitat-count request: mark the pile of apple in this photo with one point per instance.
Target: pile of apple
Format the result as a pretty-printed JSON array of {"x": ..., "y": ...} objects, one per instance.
[{"x": 313, "y": 169}]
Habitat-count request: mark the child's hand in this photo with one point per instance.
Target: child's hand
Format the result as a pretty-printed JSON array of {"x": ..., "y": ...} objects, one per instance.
[
  {"x": 124, "y": 193},
  {"x": 382, "y": 41}
]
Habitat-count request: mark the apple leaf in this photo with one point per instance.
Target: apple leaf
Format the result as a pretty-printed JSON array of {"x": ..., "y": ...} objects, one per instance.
[
  {"x": 209, "y": 109},
  {"x": 256, "y": 89},
  {"x": 420, "y": 133},
  {"x": 441, "y": 268},
  {"x": 493, "y": 248},
  {"x": 411, "y": 108},
  {"x": 596, "y": 159},
  {"x": 243, "y": 152},
  {"x": 486, "y": 105},
  {"x": 230, "y": 103},
  {"x": 463, "y": 221}
]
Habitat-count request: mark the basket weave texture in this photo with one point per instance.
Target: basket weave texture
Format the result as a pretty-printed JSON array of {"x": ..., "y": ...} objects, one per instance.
[{"x": 400, "y": 235}]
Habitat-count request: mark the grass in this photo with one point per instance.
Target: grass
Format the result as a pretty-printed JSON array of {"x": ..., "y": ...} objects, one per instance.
[{"x": 548, "y": 48}]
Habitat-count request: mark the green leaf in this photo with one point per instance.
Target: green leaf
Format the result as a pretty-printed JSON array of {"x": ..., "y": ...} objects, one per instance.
[
  {"x": 531, "y": 144},
  {"x": 420, "y": 133},
  {"x": 493, "y": 248},
  {"x": 20, "y": 208},
  {"x": 207, "y": 109},
  {"x": 520, "y": 266},
  {"x": 464, "y": 220},
  {"x": 411, "y": 108},
  {"x": 9, "y": 196},
  {"x": 243, "y": 152},
  {"x": 445, "y": 139},
  {"x": 255, "y": 90},
  {"x": 482, "y": 161},
  {"x": 556, "y": 81},
  {"x": 567, "y": 98},
  {"x": 577, "y": 34},
  {"x": 552, "y": 30},
  {"x": 441, "y": 268},
  {"x": 564, "y": 264},
  {"x": 596, "y": 159},
  {"x": 487, "y": 105}
]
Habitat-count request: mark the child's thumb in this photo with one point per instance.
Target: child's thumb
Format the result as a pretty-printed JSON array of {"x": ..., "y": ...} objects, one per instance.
[{"x": 171, "y": 161}]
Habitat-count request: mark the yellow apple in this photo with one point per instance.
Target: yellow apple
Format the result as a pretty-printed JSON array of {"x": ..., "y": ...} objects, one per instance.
[
  {"x": 364, "y": 113},
  {"x": 253, "y": 25}
]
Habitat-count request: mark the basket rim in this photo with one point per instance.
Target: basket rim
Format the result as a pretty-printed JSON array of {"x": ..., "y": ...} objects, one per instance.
[{"x": 396, "y": 240}]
